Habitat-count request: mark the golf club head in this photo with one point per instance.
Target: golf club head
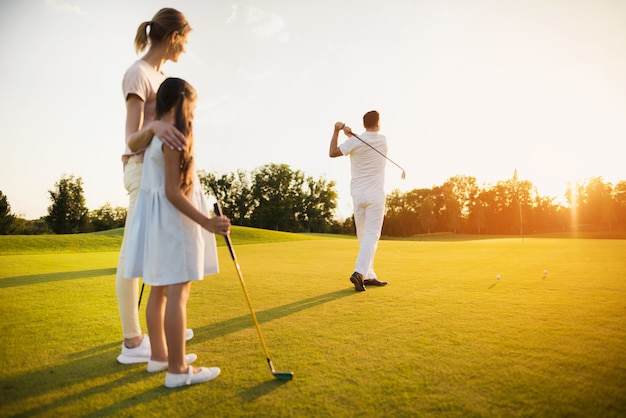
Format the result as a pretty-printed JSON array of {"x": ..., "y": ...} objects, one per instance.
[
  {"x": 283, "y": 375},
  {"x": 403, "y": 176},
  {"x": 279, "y": 375}
]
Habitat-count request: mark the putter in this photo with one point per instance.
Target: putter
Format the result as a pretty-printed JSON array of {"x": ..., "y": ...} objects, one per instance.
[
  {"x": 278, "y": 375},
  {"x": 403, "y": 176},
  {"x": 140, "y": 295}
]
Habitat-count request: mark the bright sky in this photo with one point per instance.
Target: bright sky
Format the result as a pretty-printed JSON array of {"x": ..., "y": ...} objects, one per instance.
[{"x": 469, "y": 87}]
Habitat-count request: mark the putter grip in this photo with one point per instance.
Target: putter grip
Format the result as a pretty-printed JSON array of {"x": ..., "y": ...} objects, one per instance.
[{"x": 218, "y": 212}]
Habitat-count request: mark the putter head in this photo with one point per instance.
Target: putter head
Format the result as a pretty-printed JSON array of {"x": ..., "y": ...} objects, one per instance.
[
  {"x": 283, "y": 375},
  {"x": 279, "y": 375}
]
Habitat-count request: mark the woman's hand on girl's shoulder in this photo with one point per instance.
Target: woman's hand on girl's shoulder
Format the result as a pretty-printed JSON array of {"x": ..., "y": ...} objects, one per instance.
[{"x": 168, "y": 133}]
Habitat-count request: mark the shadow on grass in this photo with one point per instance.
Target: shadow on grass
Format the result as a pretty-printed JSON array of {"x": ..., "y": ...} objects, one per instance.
[
  {"x": 44, "y": 390},
  {"x": 261, "y": 390},
  {"x": 125, "y": 406},
  {"x": 240, "y": 323},
  {"x": 54, "y": 277}
]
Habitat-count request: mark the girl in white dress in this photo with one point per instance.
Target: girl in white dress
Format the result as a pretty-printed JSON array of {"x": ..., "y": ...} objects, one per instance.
[{"x": 172, "y": 238}]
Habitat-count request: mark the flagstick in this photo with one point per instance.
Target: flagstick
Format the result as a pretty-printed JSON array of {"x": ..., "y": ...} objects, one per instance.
[{"x": 521, "y": 223}]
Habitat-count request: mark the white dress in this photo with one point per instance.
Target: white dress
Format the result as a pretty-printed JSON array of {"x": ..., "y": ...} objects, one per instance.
[{"x": 163, "y": 245}]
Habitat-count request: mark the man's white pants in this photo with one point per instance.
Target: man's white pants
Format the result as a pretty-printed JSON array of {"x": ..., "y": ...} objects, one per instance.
[{"x": 369, "y": 213}]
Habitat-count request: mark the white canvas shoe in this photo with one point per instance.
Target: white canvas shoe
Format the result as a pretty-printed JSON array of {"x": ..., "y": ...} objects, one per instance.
[
  {"x": 160, "y": 366},
  {"x": 139, "y": 354},
  {"x": 188, "y": 334},
  {"x": 190, "y": 378}
]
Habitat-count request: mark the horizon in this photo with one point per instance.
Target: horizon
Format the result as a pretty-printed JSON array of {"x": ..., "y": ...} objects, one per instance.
[{"x": 338, "y": 216}]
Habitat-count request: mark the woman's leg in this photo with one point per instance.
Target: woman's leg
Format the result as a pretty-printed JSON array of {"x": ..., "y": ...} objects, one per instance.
[{"x": 127, "y": 289}]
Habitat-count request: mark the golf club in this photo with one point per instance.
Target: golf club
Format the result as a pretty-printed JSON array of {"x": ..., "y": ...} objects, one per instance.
[
  {"x": 403, "y": 176},
  {"x": 140, "y": 295},
  {"x": 278, "y": 375}
]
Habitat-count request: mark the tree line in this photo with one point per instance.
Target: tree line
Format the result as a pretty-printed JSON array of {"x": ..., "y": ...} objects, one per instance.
[
  {"x": 273, "y": 196},
  {"x": 459, "y": 205},
  {"x": 67, "y": 213},
  {"x": 276, "y": 197}
]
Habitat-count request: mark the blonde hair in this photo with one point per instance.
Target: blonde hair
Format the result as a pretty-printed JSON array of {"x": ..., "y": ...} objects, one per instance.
[
  {"x": 164, "y": 23},
  {"x": 176, "y": 93}
]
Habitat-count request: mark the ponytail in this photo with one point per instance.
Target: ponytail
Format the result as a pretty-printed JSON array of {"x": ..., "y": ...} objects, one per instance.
[{"x": 141, "y": 38}]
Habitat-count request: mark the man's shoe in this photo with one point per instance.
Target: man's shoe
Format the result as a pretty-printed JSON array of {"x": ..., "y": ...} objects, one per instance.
[
  {"x": 373, "y": 282},
  {"x": 357, "y": 280}
]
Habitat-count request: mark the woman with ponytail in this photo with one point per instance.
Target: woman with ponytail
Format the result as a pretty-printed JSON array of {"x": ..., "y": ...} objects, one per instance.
[
  {"x": 164, "y": 37},
  {"x": 173, "y": 241}
]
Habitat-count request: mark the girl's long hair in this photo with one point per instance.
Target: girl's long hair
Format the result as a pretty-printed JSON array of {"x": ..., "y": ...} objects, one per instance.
[{"x": 176, "y": 93}]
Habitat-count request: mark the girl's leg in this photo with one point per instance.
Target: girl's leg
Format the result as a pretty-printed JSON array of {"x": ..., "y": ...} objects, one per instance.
[
  {"x": 175, "y": 326},
  {"x": 155, "y": 313},
  {"x": 179, "y": 373}
]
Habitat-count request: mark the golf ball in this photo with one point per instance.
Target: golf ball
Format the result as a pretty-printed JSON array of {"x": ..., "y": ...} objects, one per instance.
[
  {"x": 545, "y": 272},
  {"x": 498, "y": 277}
]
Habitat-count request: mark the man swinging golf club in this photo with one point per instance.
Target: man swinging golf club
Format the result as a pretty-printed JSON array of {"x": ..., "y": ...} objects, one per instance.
[{"x": 367, "y": 185}]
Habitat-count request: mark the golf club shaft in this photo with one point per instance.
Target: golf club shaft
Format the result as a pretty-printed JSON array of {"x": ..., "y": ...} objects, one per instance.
[
  {"x": 388, "y": 159},
  {"x": 245, "y": 292},
  {"x": 140, "y": 295},
  {"x": 218, "y": 211}
]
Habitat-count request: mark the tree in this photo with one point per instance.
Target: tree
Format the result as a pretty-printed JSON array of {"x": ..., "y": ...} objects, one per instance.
[
  {"x": 426, "y": 211},
  {"x": 7, "y": 219},
  {"x": 396, "y": 223},
  {"x": 275, "y": 197},
  {"x": 107, "y": 217},
  {"x": 410, "y": 213},
  {"x": 233, "y": 191},
  {"x": 598, "y": 208},
  {"x": 591, "y": 203},
  {"x": 316, "y": 204},
  {"x": 67, "y": 214},
  {"x": 274, "y": 193},
  {"x": 619, "y": 199},
  {"x": 458, "y": 193}
]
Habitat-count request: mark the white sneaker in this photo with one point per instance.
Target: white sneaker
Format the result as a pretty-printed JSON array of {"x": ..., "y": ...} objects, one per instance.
[
  {"x": 160, "y": 366},
  {"x": 190, "y": 378},
  {"x": 139, "y": 354}
]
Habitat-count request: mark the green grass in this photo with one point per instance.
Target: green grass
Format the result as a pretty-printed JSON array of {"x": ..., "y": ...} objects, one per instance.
[
  {"x": 111, "y": 241},
  {"x": 444, "y": 338}
]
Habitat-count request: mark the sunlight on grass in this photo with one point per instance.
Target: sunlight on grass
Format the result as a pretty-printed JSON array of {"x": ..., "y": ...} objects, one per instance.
[{"x": 445, "y": 337}]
